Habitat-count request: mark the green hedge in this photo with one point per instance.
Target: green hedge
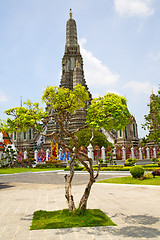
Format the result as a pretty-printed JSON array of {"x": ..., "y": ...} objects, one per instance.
[
  {"x": 148, "y": 167},
  {"x": 75, "y": 168}
]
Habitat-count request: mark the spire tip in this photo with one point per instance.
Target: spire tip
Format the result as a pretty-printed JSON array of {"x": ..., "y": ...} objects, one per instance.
[{"x": 70, "y": 13}]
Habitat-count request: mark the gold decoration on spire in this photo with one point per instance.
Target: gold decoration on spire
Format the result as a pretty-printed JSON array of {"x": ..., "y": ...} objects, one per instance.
[
  {"x": 77, "y": 63},
  {"x": 70, "y": 14}
]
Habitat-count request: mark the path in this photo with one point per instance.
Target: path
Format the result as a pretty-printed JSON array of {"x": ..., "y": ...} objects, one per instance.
[{"x": 135, "y": 209}]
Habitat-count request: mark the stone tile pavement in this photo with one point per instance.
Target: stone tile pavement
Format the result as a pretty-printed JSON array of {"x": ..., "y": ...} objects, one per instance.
[{"x": 135, "y": 210}]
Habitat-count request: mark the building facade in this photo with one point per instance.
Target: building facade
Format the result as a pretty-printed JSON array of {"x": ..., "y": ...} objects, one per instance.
[{"x": 128, "y": 136}]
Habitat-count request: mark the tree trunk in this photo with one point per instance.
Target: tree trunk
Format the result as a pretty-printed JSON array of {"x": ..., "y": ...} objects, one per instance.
[
  {"x": 68, "y": 181},
  {"x": 84, "y": 199}
]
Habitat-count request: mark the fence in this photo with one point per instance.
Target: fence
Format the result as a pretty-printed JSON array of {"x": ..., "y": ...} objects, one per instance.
[{"x": 118, "y": 153}]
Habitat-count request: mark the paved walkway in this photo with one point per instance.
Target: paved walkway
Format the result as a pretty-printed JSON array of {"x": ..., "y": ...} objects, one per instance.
[{"x": 135, "y": 210}]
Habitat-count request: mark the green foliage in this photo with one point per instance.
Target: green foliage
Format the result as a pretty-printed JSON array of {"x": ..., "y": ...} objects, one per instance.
[
  {"x": 152, "y": 120},
  {"x": 130, "y": 161},
  {"x": 100, "y": 160},
  {"x": 109, "y": 112},
  {"x": 147, "y": 176},
  {"x": 154, "y": 159},
  {"x": 24, "y": 118},
  {"x": 62, "y": 99},
  {"x": 76, "y": 168},
  {"x": 143, "y": 142},
  {"x": 85, "y": 135},
  {"x": 149, "y": 165},
  {"x": 48, "y": 165},
  {"x": 137, "y": 171},
  {"x": 66, "y": 219}
]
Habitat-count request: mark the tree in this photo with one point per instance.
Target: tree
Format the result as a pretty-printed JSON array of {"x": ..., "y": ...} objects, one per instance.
[
  {"x": 152, "y": 120},
  {"x": 84, "y": 136},
  {"x": 109, "y": 112}
]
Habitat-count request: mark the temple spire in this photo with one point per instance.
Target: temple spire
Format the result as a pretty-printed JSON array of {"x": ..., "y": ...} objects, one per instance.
[
  {"x": 71, "y": 32},
  {"x": 70, "y": 14}
]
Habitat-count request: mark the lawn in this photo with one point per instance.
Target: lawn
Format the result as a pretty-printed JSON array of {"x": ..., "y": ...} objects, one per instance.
[
  {"x": 22, "y": 170},
  {"x": 65, "y": 219},
  {"x": 130, "y": 180}
]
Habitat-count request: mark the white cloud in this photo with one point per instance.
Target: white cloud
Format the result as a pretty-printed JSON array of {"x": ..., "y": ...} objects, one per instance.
[
  {"x": 141, "y": 87},
  {"x": 3, "y": 97},
  {"x": 131, "y": 8},
  {"x": 96, "y": 73}
]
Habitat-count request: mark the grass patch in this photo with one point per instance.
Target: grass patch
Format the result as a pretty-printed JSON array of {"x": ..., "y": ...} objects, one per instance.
[
  {"x": 130, "y": 180},
  {"x": 22, "y": 170},
  {"x": 65, "y": 219}
]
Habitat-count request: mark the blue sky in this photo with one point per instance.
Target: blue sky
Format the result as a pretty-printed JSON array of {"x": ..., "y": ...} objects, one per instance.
[{"x": 119, "y": 39}]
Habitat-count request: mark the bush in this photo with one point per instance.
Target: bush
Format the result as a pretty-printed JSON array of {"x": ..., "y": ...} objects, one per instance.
[
  {"x": 76, "y": 165},
  {"x": 158, "y": 162},
  {"x": 146, "y": 176},
  {"x": 156, "y": 172},
  {"x": 100, "y": 160},
  {"x": 154, "y": 159},
  {"x": 80, "y": 168},
  {"x": 137, "y": 171},
  {"x": 130, "y": 161},
  {"x": 149, "y": 165}
]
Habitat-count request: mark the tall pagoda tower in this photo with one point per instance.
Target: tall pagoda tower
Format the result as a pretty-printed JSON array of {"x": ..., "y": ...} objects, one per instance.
[{"x": 72, "y": 58}]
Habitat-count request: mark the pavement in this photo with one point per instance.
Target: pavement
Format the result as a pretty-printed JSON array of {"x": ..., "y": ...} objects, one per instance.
[{"x": 134, "y": 208}]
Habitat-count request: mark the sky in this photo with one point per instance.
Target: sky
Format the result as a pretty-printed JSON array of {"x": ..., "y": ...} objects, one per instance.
[{"x": 119, "y": 42}]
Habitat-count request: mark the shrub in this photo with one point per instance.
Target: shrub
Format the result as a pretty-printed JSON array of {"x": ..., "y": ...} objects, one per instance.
[
  {"x": 158, "y": 162},
  {"x": 156, "y": 172},
  {"x": 137, "y": 172},
  {"x": 146, "y": 176},
  {"x": 130, "y": 161},
  {"x": 76, "y": 165},
  {"x": 154, "y": 159},
  {"x": 80, "y": 168},
  {"x": 149, "y": 165},
  {"x": 100, "y": 160}
]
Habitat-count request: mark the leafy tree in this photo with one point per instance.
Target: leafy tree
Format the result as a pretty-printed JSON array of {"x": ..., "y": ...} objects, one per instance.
[
  {"x": 108, "y": 112},
  {"x": 84, "y": 136},
  {"x": 143, "y": 142},
  {"x": 152, "y": 120}
]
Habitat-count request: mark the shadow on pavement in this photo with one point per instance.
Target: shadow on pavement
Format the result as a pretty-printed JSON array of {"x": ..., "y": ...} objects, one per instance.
[
  {"x": 136, "y": 232},
  {"x": 4, "y": 185},
  {"x": 129, "y": 231}
]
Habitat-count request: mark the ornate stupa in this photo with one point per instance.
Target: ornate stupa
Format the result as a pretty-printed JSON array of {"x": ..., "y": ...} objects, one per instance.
[{"x": 72, "y": 58}]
